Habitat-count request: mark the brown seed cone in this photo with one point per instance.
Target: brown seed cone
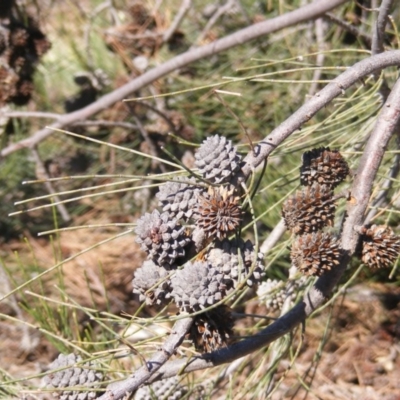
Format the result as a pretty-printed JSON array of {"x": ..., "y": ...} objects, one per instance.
[
  {"x": 380, "y": 246},
  {"x": 212, "y": 330},
  {"x": 315, "y": 253},
  {"x": 309, "y": 210},
  {"x": 324, "y": 166},
  {"x": 218, "y": 212}
]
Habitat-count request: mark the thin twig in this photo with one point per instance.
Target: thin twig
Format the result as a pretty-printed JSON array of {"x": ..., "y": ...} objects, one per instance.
[
  {"x": 306, "y": 13},
  {"x": 274, "y": 237},
  {"x": 350, "y": 28},
  {"x": 184, "y": 8},
  {"x": 42, "y": 174},
  {"x": 319, "y": 34},
  {"x": 212, "y": 21},
  {"x": 118, "y": 390},
  {"x": 382, "y": 196},
  {"x": 378, "y": 36}
]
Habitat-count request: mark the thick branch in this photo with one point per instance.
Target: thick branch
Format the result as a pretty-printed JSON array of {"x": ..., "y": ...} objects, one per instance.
[{"x": 306, "y": 13}]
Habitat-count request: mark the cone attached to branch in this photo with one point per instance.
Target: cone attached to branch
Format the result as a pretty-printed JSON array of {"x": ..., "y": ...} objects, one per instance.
[
  {"x": 218, "y": 212},
  {"x": 179, "y": 198},
  {"x": 380, "y": 246},
  {"x": 217, "y": 159},
  {"x": 324, "y": 166},
  {"x": 151, "y": 283},
  {"x": 309, "y": 209},
  {"x": 166, "y": 389},
  {"x": 71, "y": 375},
  {"x": 238, "y": 261},
  {"x": 315, "y": 253},
  {"x": 212, "y": 329},
  {"x": 162, "y": 238},
  {"x": 197, "y": 286}
]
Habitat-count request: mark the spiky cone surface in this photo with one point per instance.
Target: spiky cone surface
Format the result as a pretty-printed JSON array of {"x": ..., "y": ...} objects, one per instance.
[
  {"x": 212, "y": 329},
  {"x": 324, "y": 166},
  {"x": 275, "y": 292},
  {"x": 151, "y": 283},
  {"x": 380, "y": 246},
  {"x": 309, "y": 209},
  {"x": 71, "y": 376},
  {"x": 217, "y": 159},
  {"x": 166, "y": 389},
  {"x": 315, "y": 253},
  {"x": 162, "y": 238},
  {"x": 218, "y": 212},
  {"x": 196, "y": 286},
  {"x": 235, "y": 258},
  {"x": 179, "y": 198}
]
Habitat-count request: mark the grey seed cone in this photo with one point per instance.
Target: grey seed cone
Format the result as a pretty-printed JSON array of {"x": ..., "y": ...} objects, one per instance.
[
  {"x": 196, "y": 286},
  {"x": 235, "y": 258},
  {"x": 179, "y": 198},
  {"x": 163, "y": 239},
  {"x": 217, "y": 159},
  {"x": 151, "y": 284},
  {"x": 166, "y": 389},
  {"x": 275, "y": 292},
  {"x": 82, "y": 375}
]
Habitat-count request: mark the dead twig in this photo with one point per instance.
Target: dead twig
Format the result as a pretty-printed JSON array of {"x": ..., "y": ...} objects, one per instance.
[{"x": 306, "y": 13}]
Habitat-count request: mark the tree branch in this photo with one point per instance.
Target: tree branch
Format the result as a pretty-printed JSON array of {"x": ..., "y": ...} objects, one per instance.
[
  {"x": 378, "y": 36},
  {"x": 306, "y": 13},
  {"x": 361, "y": 191},
  {"x": 118, "y": 390},
  {"x": 319, "y": 100}
]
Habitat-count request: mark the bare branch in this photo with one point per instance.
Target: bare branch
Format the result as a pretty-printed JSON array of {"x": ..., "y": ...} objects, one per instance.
[
  {"x": 349, "y": 28},
  {"x": 184, "y": 8},
  {"x": 380, "y": 27},
  {"x": 118, "y": 390},
  {"x": 42, "y": 174},
  {"x": 306, "y": 13},
  {"x": 274, "y": 237},
  {"x": 319, "y": 100}
]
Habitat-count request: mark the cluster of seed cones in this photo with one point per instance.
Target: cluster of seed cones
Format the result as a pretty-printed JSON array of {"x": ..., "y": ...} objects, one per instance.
[
  {"x": 195, "y": 255},
  {"x": 311, "y": 210},
  {"x": 22, "y": 44}
]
